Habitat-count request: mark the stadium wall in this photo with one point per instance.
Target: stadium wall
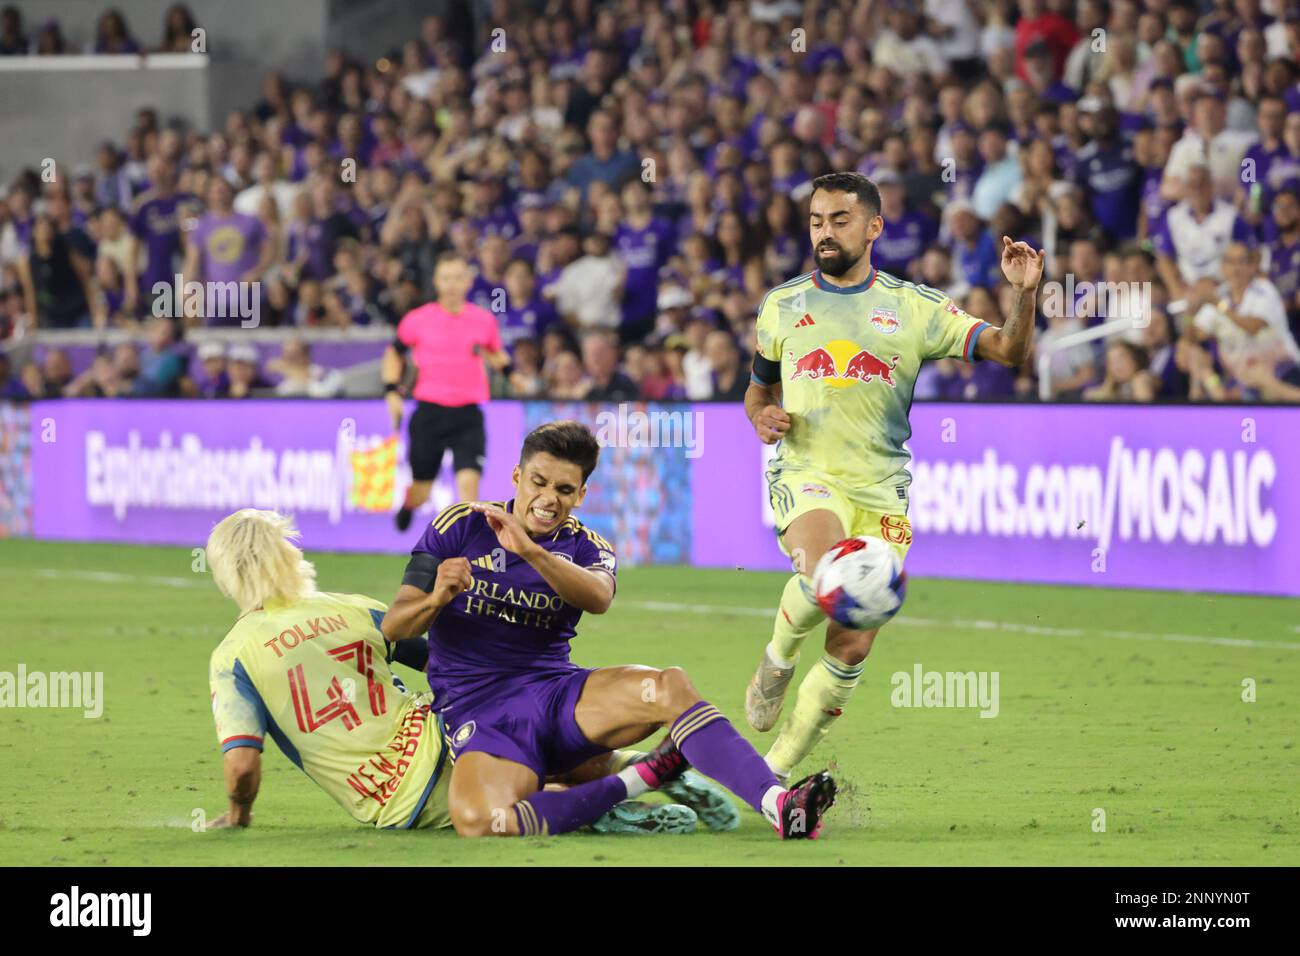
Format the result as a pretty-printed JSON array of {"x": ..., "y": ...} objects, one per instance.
[
  {"x": 1181, "y": 498},
  {"x": 63, "y": 106}
]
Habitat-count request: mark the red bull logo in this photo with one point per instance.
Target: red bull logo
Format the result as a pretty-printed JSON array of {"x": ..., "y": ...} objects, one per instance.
[
  {"x": 816, "y": 364},
  {"x": 864, "y": 367},
  {"x": 885, "y": 320},
  {"x": 855, "y": 364}
]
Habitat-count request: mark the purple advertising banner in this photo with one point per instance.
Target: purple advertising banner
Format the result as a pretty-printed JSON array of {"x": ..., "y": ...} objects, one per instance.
[
  {"x": 163, "y": 472},
  {"x": 1187, "y": 498},
  {"x": 1184, "y": 498}
]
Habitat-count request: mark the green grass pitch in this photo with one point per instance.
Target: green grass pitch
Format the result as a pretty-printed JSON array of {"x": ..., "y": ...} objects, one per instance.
[{"x": 1125, "y": 702}]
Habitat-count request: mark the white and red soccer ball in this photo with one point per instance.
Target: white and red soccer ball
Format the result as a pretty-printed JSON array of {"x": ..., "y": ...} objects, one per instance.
[{"x": 860, "y": 583}]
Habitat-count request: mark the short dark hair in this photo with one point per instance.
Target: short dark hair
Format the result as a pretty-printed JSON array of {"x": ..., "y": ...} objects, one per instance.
[
  {"x": 1291, "y": 189},
  {"x": 862, "y": 187},
  {"x": 566, "y": 440}
]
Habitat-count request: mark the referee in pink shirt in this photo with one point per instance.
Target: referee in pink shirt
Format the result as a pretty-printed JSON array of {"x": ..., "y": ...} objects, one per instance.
[{"x": 449, "y": 340}]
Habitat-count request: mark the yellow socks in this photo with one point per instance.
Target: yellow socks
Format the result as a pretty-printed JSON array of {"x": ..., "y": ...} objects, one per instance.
[
  {"x": 822, "y": 696},
  {"x": 796, "y": 618}
]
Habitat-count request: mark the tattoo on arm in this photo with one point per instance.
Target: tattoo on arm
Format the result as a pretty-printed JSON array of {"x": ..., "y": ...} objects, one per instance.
[{"x": 1019, "y": 324}]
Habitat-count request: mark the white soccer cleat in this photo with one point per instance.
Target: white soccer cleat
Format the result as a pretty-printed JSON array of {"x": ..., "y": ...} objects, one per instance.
[{"x": 766, "y": 693}]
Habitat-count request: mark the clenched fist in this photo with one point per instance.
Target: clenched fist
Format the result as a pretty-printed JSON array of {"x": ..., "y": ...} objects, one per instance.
[{"x": 453, "y": 578}]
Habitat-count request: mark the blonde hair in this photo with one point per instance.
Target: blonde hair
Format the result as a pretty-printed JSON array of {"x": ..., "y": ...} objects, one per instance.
[{"x": 253, "y": 559}]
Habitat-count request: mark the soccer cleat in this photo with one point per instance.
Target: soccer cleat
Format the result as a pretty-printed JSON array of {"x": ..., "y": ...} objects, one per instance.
[
  {"x": 402, "y": 519},
  {"x": 800, "y": 809},
  {"x": 631, "y": 816},
  {"x": 707, "y": 799},
  {"x": 663, "y": 764},
  {"x": 766, "y": 693}
]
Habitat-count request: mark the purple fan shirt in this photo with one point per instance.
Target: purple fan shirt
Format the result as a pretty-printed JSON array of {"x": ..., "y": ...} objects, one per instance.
[
  {"x": 156, "y": 222},
  {"x": 902, "y": 240},
  {"x": 643, "y": 251},
  {"x": 1284, "y": 269},
  {"x": 528, "y": 321},
  {"x": 1114, "y": 184},
  {"x": 230, "y": 245},
  {"x": 1153, "y": 203}
]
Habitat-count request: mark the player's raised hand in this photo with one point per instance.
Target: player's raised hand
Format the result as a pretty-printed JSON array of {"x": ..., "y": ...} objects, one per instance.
[
  {"x": 771, "y": 423},
  {"x": 452, "y": 578},
  {"x": 508, "y": 529},
  {"x": 1022, "y": 266}
]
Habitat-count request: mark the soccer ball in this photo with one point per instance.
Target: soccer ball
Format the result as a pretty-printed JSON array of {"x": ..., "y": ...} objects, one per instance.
[{"x": 860, "y": 583}]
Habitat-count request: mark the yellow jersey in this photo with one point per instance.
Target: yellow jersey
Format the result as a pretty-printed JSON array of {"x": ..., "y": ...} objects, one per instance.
[
  {"x": 314, "y": 675},
  {"x": 849, "y": 359}
]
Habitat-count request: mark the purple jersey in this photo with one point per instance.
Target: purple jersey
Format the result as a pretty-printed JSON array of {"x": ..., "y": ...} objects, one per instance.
[
  {"x": 962, "y": 184},
  {"x": 510, "y": 624},
  {"x": 1261, "y": 157},
  {"x": 528, "y": 321},
  {"x": 486, "y": 293},
  {"x": 156, "y": 222},
  {"x": 902, "y": 240},
  {"x": 1284, "y": 268},
  {"x": 230, "y": 245},
  {"x": 1153, "y": 203},
  {"x": 643, "y": 251},
  {"x": 1112, "y": 179},
  {"x": 499, "y": 222},
  {"x": 1292, "y": 97},
  {"x": 1283, "y": 170}
]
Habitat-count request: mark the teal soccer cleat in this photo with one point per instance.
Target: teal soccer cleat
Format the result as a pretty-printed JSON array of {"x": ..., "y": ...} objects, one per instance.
[
  {"x": 709, "y": 801},
  {"x": 631, "y": 816}
]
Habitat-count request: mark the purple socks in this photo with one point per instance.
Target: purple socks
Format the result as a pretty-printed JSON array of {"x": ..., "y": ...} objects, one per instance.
[
  {"x": 559, "y": 811},
  {"x": 715, "y": 748}
]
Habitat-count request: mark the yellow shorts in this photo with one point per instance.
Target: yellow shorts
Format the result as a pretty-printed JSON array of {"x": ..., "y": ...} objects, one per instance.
[{"x": 796, "y": 492}]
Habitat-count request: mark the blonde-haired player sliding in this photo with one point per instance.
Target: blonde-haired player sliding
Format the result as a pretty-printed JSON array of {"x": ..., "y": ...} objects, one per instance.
[{"x": 311, "y": 668}]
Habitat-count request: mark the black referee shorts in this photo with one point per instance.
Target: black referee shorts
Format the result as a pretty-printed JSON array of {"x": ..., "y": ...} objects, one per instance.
[{"x": 435, "y": 428}]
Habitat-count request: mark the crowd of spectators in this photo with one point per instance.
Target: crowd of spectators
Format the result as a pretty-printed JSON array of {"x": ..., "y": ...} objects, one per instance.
[{"x": 628, "y": 179}]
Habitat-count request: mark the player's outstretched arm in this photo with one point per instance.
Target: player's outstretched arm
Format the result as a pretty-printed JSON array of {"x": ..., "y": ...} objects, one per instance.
[
  {"x": 763, "y": 408},
  {"x": 1023, "y": 268},
  {"x": 243, "y": 772}
]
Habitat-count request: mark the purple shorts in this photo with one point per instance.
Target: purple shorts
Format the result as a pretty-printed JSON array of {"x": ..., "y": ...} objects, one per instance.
[{"x": 531, "y": 723}]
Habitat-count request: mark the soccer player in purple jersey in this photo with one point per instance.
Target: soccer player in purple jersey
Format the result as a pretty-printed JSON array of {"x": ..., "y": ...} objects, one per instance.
[{"x": 500, "y": 588}]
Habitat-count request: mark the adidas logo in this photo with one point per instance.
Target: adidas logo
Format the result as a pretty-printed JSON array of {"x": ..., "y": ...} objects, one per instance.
[
  {"x": 496, "y": 561},
  {"x": 806, "y": 320}
]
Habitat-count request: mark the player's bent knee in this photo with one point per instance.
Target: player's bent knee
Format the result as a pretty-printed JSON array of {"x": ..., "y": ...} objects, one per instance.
[
  {"x": 479, "y": 821},
  {"x": 676, "y": 692},
  {"x": 851, "y": 647}
]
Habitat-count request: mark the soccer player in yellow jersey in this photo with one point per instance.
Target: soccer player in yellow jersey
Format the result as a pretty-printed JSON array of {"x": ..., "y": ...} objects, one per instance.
[
  {"x": 310, "y": 669},
  {"x": 838, "y": 354}
]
